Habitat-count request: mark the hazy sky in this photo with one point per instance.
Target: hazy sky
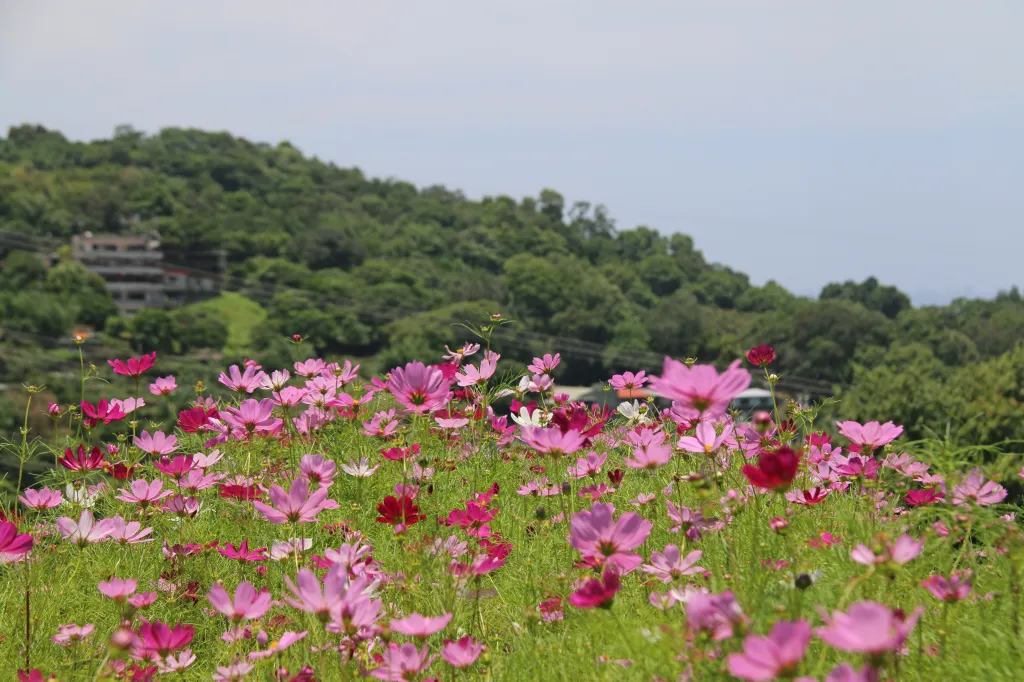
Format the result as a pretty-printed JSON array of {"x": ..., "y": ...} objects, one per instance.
[{"x": 799, "y": 140}]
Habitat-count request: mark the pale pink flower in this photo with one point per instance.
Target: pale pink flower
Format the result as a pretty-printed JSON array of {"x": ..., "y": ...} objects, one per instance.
[
  {"x": 902, "y": 550},
  {"x": 276, "y": 647},
  {"x": 175, "y": 663},
  {"x": 700, "y": 388},
  {"x": 85, "y": 531},
  {"x": 844, "y": 672},
  {"x": 316, "y": 469},
  {"x": 235, "y": 672},
  {"x": 587, "y": 466},
  {"x": 310, "y": 596},
  {"x": 954, "y": 588},
  {"x": 41, "y": 499},
  {"x": 649, "y": 449},
  {"x": 296, "y": 505},
  {"x": 289, "y": 396},
  {"x": 597, "y": 535},
  {"x": 670, "y": 564},
  {"x": 416, "y": 625},
  {"x": 144, "y": 493},
  {"x": 627, "y": 381},
  {"x": 127, "y": 533},
  {"x": 976, "y": 489},
  {"x": 70, "y": 634},
  {"x": 127, "y": 405},
  {"x": 871, "y": 435},
  {"x": 118, "y": 589},
  {"x": 276, "y": 380},
  {"x": 157, "y": 443},
  {"x": 362, "y": 469},
  {"x": 247, "y": 382},
  {"x": 462, "y": 653},
  {"x": 163, "y": 386},
  {"x": 706, "y": 440},
  {"x": 471, "y": 376},
  {"x": 248, "y": 604},
  {"x": 905, "y": 464},
  {"x": 552, "y": 441},
  {"x": 460, "y": 354},
  {"x": 403, "y": 662},
  {"x": 716, "y": 613},
  {"x": 310, "y": 367},
  {"x": 868, "y": 628},
  {"x": 546, "y": 364},
  {"x": 772, "y": 657}
]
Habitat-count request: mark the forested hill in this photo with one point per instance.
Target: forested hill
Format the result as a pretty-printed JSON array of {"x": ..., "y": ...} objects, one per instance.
[{"x": 365, "y": 266}]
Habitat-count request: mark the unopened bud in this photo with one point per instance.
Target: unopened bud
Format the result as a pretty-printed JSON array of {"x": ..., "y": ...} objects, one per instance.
[{"x": 296, "y": 338}]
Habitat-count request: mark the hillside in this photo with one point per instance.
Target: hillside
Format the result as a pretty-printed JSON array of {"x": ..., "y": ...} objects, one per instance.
[{"x": 371, "y": 267}]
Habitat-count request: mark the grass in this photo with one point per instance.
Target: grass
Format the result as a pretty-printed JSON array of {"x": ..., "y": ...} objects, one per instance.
[{"x": 242, "y": 315}]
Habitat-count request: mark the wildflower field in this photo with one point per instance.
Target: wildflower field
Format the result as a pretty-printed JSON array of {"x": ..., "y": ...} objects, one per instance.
[{"x": 451, "y": 521}]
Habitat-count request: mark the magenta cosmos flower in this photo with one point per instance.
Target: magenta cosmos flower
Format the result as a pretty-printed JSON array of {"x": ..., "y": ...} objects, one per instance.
[
  {"x": 774, "y": 656},
  {"x": 868, "y": 628},
  {"x": 248, "y": 604},
  {"x": 416, "y": 625},
  {"x": 597, "y": 593},
  {"x": 627, "y": 381},
  {"x": 12, "y": 545},
  {"x": 552, "y": 441},
  {"x": 596, "y": 535},
  {"x": 162, "y": 639},
  {"x": 976, "y": 489},
  {"x": 871, "y": 435},
  {"x": 296, "y": 505},
  {"x": 403, "y": 662},
  {"x": 248, "y": 382},
  {"x": 133, "y": 367},
  {"x": 252, "y": 417},
  {"x": 420, "y": 388},
  {"x": 546, "y": 364},
  {"x": 955, "y": 588},
  {"x": 156, "y": 443},
  {"x": 701, "y": 388}
]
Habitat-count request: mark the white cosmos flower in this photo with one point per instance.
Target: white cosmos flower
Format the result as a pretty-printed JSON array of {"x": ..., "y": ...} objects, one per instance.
[
  {"x": 524, "y": 418},
  {"x": 633, "y": 412}
]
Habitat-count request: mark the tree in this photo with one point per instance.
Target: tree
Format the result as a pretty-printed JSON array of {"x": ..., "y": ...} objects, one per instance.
[{"x": 153, "y": 330}]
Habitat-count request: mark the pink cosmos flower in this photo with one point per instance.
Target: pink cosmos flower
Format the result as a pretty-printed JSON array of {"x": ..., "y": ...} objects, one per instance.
[
  {"x": 670, "y": 564},
  {"x": 12, "y": 545},
  {"x": 296, "y": 505},
  {"x": 546, "y": 364},
  {"x": 471, "y": 376},
  {"x": 235, "y": 672},
  {"x": 157, "y": 443},
  {"x": 276, "y": 647},
  {"x": 134, "y": 366},
  {"x": 142, "y": 599},
  {"x": 463, "y": 653},
  {"x": 127, "y": 533},
  {"x": 627, "y": 381},
  {"x": 596, "y": 535},
  {"x": 402, "y": 662},
  {"x": 144, "y": 493},
  {"x": 904, "y": 549},
  {"x": 310, "y": 367},
  {"x": 700, "y": 388},
  {"x": 415, "y": 625},
  {"x": 247, "y": 382},
  {"x": 70, "y": 634},
  {"x": 905, "y": 464},
  {"x": 807, "y": 497},
  {"x": 868, "y": 628},
  {"x": 163, "y": 386},
  {"x": 420, "y": 388},
  {"x": 248, "y": 604},
  {"x": 310, "y": 596},
  {"x": 252, "y": 417},
  {"x": 197, "y": 480},
  {"x": 127, "y": 405},
  {"x": 844, "y": 672},
  {"x": 118, "y": 589},
  {"x": 649, "y": 449},
  {"x": 706, "y": 440},
  {"x": 955, "y": 588},
  {"x": 774, "y": 656},
  {"x": 597, "y": 593},
  {"x": 41, "y": 499},
  {"x": 871, "y": 435},
  {"x": 460, "y": 354},
  {"x": 85, "y": 531},
  {"x": 716, "y": 613},
  {"x": 276, "y": 381},
  {"x": 587, "y": 466},
  {"x": 552, "y": 441},
  {"x": 317, "y": 470},
  {"x": 976, "y": 489},
  {"x": 178, "y": 466},
  {"x": 103, "y": 411}
]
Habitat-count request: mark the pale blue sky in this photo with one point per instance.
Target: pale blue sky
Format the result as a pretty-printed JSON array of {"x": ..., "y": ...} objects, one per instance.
[{"x": 805, "y": 141}]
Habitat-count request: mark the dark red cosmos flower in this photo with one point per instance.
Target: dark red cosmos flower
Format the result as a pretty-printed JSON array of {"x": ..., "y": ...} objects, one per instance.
[
  {"x": 761, "y": 356},
  {"x": 576, "y": 417},
  {"x": 134, "y": 366},
  {"x": 394, "y": 511},
  {"x": 193, "y": 419},
  {"x": 917, "y": 498},
  {"x": 102, "y": 412},
  {"x": 616, "y": 476},
  {"x": 775, "y": 470},
  {"x": 238, "y": 492},
  {"x": 119, "y": 470},
  {"x": 80, "y": 461}
]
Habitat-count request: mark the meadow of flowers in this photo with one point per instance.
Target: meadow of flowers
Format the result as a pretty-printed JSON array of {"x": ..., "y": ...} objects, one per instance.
[{"x": 418, "y": 526}]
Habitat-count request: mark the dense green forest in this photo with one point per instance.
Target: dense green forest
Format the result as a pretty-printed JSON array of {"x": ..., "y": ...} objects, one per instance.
[{"x": 380, "y": 269}]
